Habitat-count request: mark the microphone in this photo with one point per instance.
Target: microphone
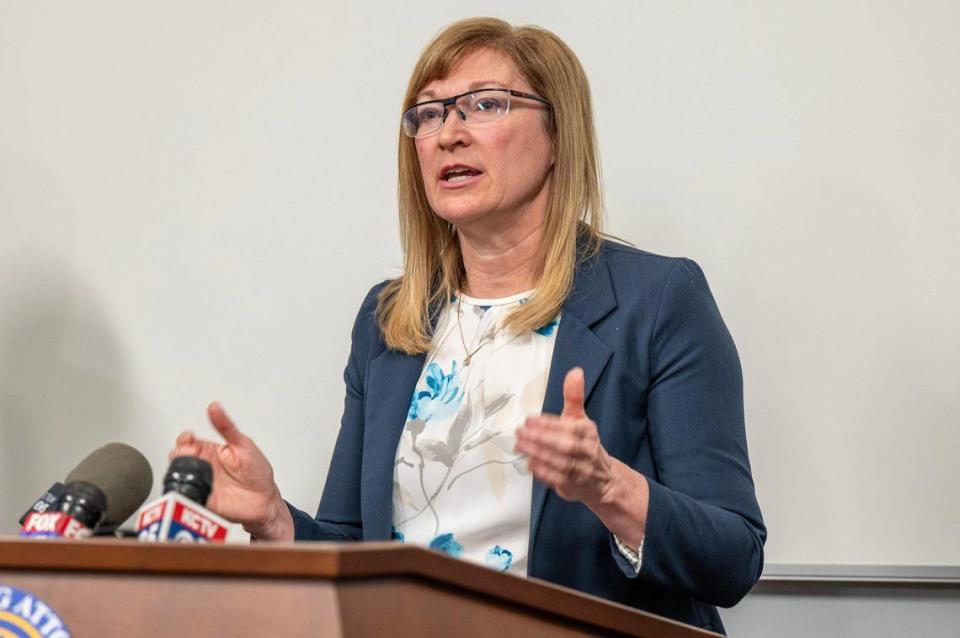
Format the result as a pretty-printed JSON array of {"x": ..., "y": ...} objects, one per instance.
[
  {"x": 179, "y": 515},
  {"x": 124, "y": 475},
  {"x": 119, "y": 472},
  {"x": 47, "y": 500},
  {"x": 76, "y": 513}
]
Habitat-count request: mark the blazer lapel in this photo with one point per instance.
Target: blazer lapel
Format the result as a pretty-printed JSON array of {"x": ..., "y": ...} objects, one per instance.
[
  {"x": 391, "y": 379},
  {"x": 591, "y": 299}
]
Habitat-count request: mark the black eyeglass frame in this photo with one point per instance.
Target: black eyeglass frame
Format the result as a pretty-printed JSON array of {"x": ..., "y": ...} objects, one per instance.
[{"x": 446, "y": 102}]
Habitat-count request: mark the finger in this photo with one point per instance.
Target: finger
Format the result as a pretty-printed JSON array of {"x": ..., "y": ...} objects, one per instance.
[
  {"x": 573, "y": 394},
  {"x": 185, "y": 445},
  {"x": 579, "y": 428},
  {"x": 561, "y": 440},
  {"x": 183, "y": 450},
  {"x": 199, "y": 448},
  {"x": 186, "y": 437},
  {"x": 556, "y": 459},
  {"x": 547, "y": 474},
  {"x": 224, "y": 425},
  {"x": 564, "y": 465}
]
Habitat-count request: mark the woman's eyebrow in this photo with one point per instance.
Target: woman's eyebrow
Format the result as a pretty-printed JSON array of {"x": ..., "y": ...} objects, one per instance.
[{"x": 479, "y": 84}]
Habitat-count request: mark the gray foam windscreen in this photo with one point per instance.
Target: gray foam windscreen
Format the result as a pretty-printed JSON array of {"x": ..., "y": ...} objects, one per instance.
[{"x": 123, "y": 474}]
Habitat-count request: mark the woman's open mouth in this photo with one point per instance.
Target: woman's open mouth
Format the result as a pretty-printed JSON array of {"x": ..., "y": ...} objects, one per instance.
[{"x": 458, "y": 176}]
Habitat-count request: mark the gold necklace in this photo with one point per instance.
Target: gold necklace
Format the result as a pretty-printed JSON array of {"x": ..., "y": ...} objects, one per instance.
[{"x": 466, "y": 360}]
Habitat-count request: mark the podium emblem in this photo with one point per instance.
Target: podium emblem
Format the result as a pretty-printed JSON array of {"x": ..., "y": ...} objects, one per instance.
[{"x": 23, "y": 615}]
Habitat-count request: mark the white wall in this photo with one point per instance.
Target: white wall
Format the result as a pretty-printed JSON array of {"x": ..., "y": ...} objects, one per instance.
[
  {"x": 194, "y": 197},
  {"x": 865, "y": 610}
]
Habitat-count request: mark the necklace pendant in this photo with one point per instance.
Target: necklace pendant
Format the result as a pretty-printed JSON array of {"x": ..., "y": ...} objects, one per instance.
[{"x": 466, "y": 360}]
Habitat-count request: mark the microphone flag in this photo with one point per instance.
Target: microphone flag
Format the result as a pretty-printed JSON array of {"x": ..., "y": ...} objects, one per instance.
[
  {"x": 53, "y": 525},
  {"x": 174, "y": 517}
]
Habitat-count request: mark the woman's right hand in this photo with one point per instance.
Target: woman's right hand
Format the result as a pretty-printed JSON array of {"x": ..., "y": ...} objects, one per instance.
[{"x": 243, "y": 487}]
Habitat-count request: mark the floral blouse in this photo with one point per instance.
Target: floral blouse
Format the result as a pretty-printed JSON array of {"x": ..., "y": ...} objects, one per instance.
[{"x": 458, "y": 485}]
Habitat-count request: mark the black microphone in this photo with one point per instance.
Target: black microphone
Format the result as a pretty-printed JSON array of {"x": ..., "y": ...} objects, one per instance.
[
  {"x": 190, "y": 476},
  {"x": 84, "y": 502},
  {"x": 120, "y": 474},
  {"x": 76, "y": 513},
  {"x": 47, "y": 500}
]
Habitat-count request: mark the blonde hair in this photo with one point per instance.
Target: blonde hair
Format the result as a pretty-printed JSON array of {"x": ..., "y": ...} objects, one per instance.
[{"x": 433, "y": 265}]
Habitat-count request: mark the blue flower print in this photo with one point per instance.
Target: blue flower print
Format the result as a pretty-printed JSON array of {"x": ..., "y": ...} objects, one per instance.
[
  {"x": 445, "y": 543},
  {"x": 395, "y": 534},
  {"x": 499, "y": 558},
  {"x": 548, "y": 329},
  {"x": 442, "y": 396}
]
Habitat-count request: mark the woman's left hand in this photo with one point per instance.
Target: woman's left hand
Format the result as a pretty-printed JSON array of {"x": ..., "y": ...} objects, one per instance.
[{"x": 564, "y": 451}]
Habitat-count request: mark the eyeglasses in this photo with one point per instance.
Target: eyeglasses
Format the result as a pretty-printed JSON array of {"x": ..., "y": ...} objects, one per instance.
[{"x": 483, "y": 105}]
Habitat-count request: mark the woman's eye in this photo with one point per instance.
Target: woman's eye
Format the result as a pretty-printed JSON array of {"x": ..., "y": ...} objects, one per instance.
[
  {"x": 428, "y": 114},
  {"x": 487, "y": 104}
]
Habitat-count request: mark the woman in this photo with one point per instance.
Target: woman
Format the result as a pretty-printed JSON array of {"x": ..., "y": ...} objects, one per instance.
[{"x": 576, "y": 409}]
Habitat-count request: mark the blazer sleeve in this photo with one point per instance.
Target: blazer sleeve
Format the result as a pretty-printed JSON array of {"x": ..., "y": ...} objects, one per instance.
[
  {"x": 338, "y": 517},
  {"x": 704, "y": 532}
]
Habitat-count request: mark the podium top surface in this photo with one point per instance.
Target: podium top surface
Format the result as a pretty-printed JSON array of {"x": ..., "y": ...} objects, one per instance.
[{"x": 334, "y": 562}]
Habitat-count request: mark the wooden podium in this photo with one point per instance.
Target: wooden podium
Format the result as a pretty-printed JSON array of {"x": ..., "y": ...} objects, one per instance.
[{"x": 126, "y": 588}]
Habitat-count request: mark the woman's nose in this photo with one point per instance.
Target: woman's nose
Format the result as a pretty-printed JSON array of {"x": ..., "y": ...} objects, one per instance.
[{"x": 452, "y": 129}]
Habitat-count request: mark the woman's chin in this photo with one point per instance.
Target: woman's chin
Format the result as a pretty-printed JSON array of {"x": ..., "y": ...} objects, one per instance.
[{"x": 462, "y": 217}]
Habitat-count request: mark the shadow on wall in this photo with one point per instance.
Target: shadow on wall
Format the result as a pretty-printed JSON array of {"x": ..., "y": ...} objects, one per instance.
[{"x": 63, "y": 382}]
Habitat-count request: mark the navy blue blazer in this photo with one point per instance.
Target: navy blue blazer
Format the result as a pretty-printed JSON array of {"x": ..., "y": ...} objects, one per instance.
[{"x": 663, "y": 383}]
